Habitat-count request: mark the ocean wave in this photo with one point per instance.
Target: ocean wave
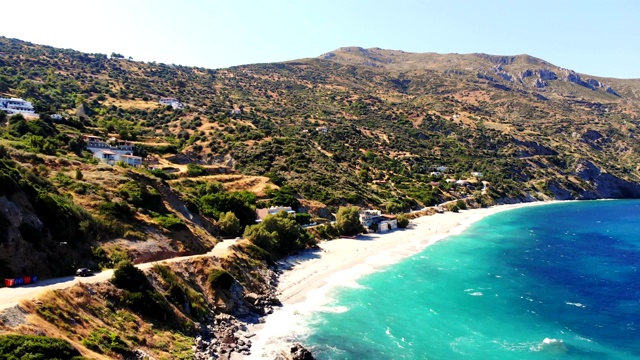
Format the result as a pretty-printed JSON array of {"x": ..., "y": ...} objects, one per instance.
[
  {"x": 551, "y": 345},
  {"x": 575, "y": 304}
]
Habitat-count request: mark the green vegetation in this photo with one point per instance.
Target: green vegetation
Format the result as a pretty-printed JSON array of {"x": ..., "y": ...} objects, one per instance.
[
  {"x": 403, "y": 221},
  {"x": 139, "y": 295},
  {"x": 180, "y": 293},
  {"x": 229, "y": 224},
  {"x": 19, "y": 347},
  {"x": 348, "y": 221},
  {"x": 279, "y": 234},
  {"x": 106, "y": 342}
]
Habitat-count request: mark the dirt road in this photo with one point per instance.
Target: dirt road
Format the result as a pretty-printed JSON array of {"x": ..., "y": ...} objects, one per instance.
[{"x": 12, "y": 296}]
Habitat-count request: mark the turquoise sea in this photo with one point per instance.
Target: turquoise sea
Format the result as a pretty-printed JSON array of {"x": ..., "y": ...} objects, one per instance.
[{"x": 558, "y": 281}]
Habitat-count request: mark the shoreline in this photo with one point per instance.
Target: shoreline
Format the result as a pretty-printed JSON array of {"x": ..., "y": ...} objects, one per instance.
[{"x": 309, "y": 276}]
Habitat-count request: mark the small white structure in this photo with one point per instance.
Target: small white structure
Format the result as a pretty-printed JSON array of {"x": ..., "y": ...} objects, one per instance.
[
  {"x": 384, "y": 222},
  {"x": 322, "y": 129},
  {"x": 173, "y": 102},
  {"x": 368, "y": 217},
  {"x": 441, "y": 168},
  {"x": 236, "y": 112},
  {"x": 476, "y": 174},
  {"x": 14, "y": 106}
]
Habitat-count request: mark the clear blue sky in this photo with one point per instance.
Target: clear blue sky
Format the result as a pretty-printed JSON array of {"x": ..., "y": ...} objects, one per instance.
[{"x": 594, "y": 37}]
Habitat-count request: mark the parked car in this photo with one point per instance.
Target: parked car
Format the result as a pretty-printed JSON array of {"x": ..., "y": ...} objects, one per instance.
[{"x": 84, "y": 272}]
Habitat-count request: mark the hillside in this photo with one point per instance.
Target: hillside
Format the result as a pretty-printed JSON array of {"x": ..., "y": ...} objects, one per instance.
[{"x": 369, "y": 127}]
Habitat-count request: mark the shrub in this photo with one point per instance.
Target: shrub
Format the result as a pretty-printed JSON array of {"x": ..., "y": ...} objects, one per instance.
[
  {"x": 103, "y": 341},
  {"x": 170, "y": 222},
  {"x": 36, "y": 347},
  {"x": 403, "y": 221},
  {"x": 195, "y": 170},
  {"x": 119, "y": 210}
]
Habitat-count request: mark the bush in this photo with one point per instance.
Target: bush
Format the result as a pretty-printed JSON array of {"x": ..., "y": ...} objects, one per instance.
[
  {"x": 128, "y": 277},
  {"x": 119, "y": 210},
  {"x": 36, "y": 347},
  {"x": 195, "y": 170},
  {"x": 348, "y": 221},
  {"x": 103, "y": 341},
  {"x": 229, "y": 224},
  {"x": 170, "y": 222},
  {"x": 403, "y": 221}
]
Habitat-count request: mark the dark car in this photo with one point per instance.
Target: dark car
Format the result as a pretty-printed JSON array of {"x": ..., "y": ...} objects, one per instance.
[{"x": 84, "y": 272}]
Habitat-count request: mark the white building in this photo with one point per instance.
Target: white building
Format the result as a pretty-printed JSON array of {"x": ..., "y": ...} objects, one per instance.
[
  {"x": 111, "y": 154},
  {"x": 14, "y": 106},
  {"x": 384, "y": 222},
  {"x": 175, "y": 103}
]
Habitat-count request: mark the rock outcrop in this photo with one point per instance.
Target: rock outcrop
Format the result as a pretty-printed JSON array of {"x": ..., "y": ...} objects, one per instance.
[{"x": 605, "y": 185}]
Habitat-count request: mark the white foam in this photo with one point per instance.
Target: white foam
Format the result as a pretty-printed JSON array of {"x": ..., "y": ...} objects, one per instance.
[{"x": 575, "y": 304}]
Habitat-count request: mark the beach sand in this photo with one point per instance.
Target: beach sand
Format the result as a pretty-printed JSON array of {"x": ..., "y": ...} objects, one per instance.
[{"x": 310, "y": 275}]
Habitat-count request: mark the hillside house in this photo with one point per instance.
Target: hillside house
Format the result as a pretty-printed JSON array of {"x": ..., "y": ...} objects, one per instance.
[
  {"x": 111, "y": 154},
  {"x": 14, "y": 106},
  {"x": 106, "y": 156},
  {"x": 173, "y": 102},
  {"x": 261, "y": 214}
]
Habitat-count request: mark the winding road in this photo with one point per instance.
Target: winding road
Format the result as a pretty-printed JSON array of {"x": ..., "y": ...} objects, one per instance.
[{"x": 12, "y": 296}]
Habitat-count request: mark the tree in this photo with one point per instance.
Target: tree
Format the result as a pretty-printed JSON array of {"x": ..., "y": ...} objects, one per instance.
[
  {"x": 403, "y": 221},
  {"x": 348, "y": 221},
  {"x": 229, "y": 224},
  {"x": 279, "y": 234}
]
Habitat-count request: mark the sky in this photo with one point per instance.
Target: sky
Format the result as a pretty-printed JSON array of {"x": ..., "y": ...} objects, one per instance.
[{"x": 593, "y": 37}]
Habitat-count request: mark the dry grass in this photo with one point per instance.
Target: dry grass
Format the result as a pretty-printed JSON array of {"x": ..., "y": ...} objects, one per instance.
[{"x": 133, "y": 104}]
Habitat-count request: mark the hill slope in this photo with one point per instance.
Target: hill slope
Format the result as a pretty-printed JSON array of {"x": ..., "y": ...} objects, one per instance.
[{"x": 369, "y": 127}]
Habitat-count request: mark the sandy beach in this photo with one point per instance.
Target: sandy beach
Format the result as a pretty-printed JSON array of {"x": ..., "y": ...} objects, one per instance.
[{"x": 310, "y": 275}]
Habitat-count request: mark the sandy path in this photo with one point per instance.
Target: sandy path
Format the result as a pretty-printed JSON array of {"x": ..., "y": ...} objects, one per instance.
[{"x": 341, "y": 262}]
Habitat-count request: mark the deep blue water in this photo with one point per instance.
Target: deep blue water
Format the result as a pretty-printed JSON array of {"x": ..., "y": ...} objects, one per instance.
[{"x": 557, "y": 281}]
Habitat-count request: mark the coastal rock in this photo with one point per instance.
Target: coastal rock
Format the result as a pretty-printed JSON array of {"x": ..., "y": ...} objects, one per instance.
[
  {"x": 606, "y": 185},
  {"x": 297, "y": 352}
]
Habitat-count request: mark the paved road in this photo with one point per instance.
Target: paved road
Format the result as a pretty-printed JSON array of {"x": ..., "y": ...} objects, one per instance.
[{"x": 12, "y": 296}]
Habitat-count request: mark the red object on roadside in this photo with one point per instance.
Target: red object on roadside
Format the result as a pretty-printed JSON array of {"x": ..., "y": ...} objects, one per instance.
[
  {"x": 26, "y": 280},
  {"x": 9, "y": 282}
]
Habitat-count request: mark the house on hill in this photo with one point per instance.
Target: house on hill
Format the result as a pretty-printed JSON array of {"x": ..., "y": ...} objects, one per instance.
[
  {"x": 14, "y": 106},
  {"x": 111, "y": 154},
  {"x": 173, "y": 102}
]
